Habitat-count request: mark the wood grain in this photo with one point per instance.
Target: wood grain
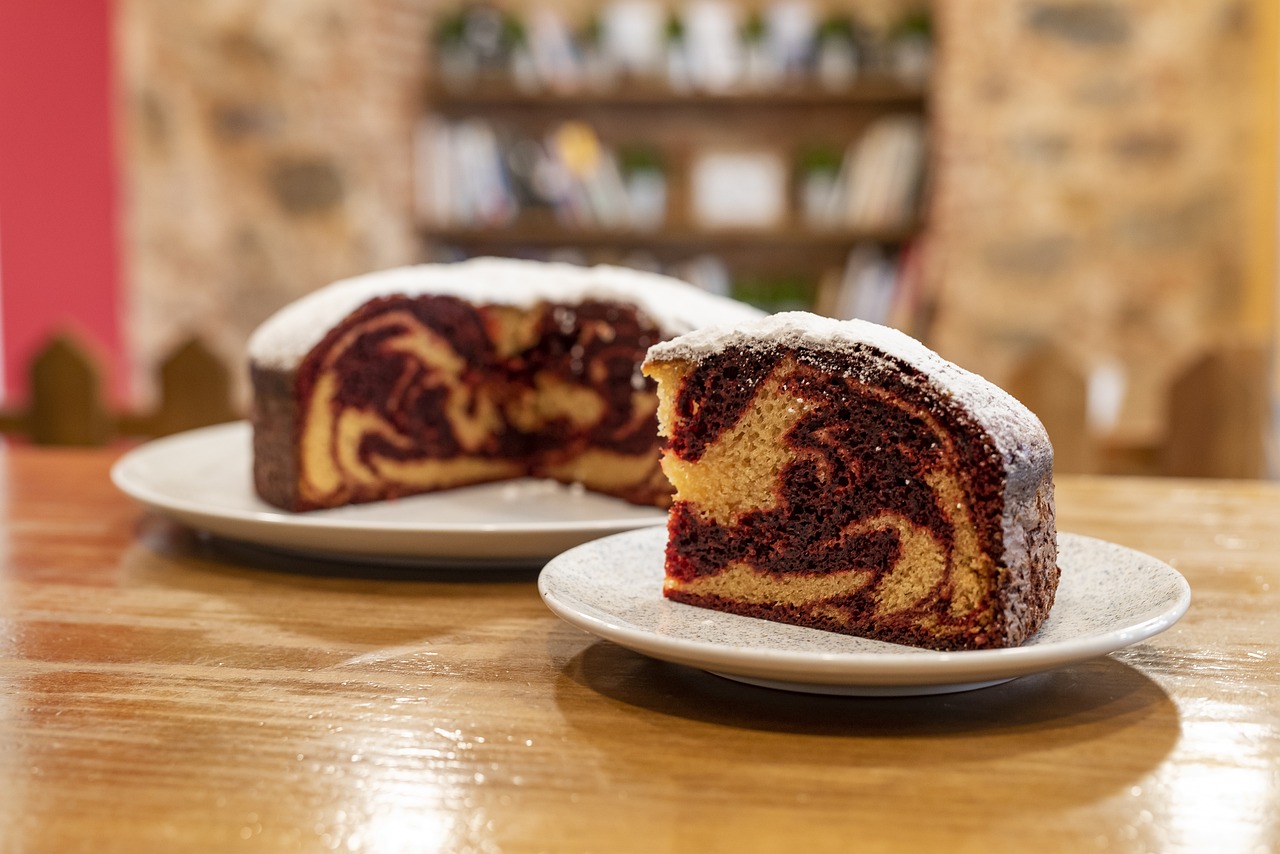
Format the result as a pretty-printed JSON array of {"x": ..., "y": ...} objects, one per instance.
[{"x": 161, "y": 693}]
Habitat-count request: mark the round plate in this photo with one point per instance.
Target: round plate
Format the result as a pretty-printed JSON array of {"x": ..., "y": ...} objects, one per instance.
[
  {"x": 203, "y": 478},
  {"x": 1109, "y": 597}
]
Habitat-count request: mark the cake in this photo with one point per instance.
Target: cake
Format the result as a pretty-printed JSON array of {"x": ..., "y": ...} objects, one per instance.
[
  {"x": 439, "y": 375},
  {"x": 842, "y": 476}
]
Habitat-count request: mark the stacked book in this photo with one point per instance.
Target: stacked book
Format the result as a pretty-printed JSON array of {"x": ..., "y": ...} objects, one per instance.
[
  {"x": 470, "y": 174},
  {"x": 880, "y": 179}
]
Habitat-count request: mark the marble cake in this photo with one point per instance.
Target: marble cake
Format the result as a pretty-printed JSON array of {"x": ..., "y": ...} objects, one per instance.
[
  {"x": 842, "y": 476},
  {"x": 435, "y": 376}
]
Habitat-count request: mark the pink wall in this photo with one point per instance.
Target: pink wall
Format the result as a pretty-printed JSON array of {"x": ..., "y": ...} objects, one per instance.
[{"x": 60, "y": 258}]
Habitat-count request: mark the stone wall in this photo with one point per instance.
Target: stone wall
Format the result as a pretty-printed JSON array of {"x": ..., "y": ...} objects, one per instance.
[
  {"x": 267, "y": 153},
  {"x": 1105, "y": 184}
]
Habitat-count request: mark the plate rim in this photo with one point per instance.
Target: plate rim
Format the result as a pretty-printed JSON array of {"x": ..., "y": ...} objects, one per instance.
[
  {"x": 267, "y": 524},
  {"x": 911, "y": 667}
]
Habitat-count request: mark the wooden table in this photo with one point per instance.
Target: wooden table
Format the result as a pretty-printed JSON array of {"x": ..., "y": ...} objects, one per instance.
[{"x": 159, "y": 695}]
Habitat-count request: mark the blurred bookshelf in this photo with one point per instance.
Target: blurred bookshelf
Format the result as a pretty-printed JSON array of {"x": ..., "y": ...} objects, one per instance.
[{"x": 781, "y": 180}]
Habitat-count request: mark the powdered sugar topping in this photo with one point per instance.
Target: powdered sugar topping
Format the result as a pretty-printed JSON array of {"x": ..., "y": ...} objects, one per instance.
[
  {"x": 674, "y": 306},
  {"x": 1016, "y": 430}
]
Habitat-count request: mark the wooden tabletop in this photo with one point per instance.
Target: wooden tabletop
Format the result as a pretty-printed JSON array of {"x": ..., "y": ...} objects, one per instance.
[{"x": 158, "y": 693}]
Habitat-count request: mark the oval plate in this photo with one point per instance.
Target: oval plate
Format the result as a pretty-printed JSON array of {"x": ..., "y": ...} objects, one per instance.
[
  {"x": 203, "y": 478},
  {"x": 1109, "y": 597}
]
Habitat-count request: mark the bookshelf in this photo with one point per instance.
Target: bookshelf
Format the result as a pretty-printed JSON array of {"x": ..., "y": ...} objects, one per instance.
[{"x": 788, "y": 138}]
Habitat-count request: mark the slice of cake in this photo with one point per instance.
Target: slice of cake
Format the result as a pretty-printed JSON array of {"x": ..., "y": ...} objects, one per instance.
[
  {"x": 841, "y": 475},
  {"x": 429, "y": 377}
]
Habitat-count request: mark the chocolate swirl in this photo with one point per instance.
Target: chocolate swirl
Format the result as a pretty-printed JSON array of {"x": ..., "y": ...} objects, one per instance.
[
  {"x": 407, "y": 381},
  {"x": 871, "y": 470}
]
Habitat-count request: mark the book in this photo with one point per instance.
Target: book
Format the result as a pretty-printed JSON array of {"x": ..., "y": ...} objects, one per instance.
[{"x": 881, "y": 174}]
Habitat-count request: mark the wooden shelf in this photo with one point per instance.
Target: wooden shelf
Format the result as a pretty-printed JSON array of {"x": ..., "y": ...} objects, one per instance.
[
  {"x": 787, "y": 253},
  {"x": 551, "y": 235},
  {"x": 502, "y": 94}
]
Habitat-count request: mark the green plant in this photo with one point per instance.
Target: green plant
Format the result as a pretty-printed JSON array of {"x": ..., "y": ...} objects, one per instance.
[
  {"x": 840, "y": 27},
  {"x": 675, "y": 28},
  {"x": 639, "y": 158},
  {"x": 592, "y": 32},
  {"x": 913, "y": 24},
  {"x": 823, "y": 158},
  {"x": 514, "y": 33},
  {"x": 451, "y": 30}
]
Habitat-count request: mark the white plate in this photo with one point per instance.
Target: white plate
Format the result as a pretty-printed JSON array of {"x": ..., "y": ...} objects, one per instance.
[
  {"x": 203, "y": 478},
  {"x": 1109, "y": 597}
]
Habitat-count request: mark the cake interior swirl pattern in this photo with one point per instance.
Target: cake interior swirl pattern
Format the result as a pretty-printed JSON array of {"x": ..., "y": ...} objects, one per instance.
[
  {"x": 431, "y": 377},
  {"x": 841, "y": 476}
]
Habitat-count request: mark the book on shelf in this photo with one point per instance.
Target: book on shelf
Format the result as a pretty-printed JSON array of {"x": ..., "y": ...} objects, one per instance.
[
  {"x": 588, "y": 188},
  {"x": 878, "y": 286},
  {"x": 469, "y": 174},
  {"x": 867, "y": 285},
  {"x": 881, "y": 174},
  {"x": 460, "y": 175}
]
